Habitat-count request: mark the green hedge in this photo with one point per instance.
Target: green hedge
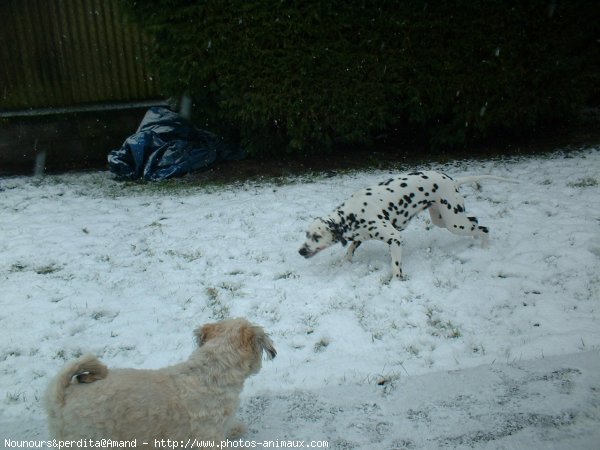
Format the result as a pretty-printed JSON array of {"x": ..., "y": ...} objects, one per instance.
[{"x": 304, "y": 75}]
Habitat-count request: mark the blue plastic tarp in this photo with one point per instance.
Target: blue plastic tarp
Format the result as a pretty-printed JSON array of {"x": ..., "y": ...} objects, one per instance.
[{"x": 166, "y": 145}]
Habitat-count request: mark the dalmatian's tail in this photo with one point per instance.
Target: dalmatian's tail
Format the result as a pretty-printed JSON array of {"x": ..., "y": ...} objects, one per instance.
[{"x": 477, "y": 178}]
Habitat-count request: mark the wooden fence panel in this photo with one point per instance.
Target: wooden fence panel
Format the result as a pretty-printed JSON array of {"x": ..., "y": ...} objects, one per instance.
[{"x": 61, "y": 53}]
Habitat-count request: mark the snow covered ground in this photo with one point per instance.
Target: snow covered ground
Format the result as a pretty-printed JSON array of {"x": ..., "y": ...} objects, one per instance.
[{"x": 478, "y": 348}]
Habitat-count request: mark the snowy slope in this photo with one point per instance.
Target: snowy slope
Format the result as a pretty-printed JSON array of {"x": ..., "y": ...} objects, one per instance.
[{"x": 127, "y": 271}]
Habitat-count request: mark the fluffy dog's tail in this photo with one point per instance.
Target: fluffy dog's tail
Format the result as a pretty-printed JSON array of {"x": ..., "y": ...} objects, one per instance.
[
  {"x": 87, "y": 369},
  {"x": 478, "y": 178}
]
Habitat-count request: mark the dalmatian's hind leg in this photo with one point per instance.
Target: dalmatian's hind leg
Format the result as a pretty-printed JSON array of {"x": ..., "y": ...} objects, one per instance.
[
  {"x": 480, "y": 232},
  {"x": 458, "y": 223},
  {"x": 436, "y": 217},
  {"x": 351, "y": 249}
]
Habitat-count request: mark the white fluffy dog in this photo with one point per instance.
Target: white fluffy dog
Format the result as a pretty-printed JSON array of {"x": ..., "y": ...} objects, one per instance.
[{"x": 194, "y": 399}]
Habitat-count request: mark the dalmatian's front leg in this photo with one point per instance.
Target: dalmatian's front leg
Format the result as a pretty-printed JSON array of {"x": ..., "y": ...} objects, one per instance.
[
  {"x": 391, "y": 236},
  {"x": 396, "y": 252},
  {"x": 351, "y": 249}
]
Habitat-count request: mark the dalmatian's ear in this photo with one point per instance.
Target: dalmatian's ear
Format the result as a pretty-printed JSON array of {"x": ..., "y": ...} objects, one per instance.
[{"x": 336, "y": 233}]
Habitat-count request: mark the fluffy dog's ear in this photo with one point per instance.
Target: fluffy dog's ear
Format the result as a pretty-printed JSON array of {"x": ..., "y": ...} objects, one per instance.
[
  {"x": 253, "y": 337},
  {"x": 205, "y": 332}
]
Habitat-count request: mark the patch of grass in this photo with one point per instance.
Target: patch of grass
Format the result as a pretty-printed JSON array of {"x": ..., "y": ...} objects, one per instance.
[
  {"x": 478, "y": 349},
  {"x": 186, "y": 303},
  {"x": 447, "y": 283},
  {"x": 15, "y": 397},
  {"x": 47, "y": 269},
  {"x": 218, "y": 309},
  {"x": 441, "y": 328},
  {"x": 376, "y": 336},
  {"x": 186, "y": 256},
  {"x": 236, "y": 272},
  {"x": 310, "y": 321},
  {"x": 17, "y": 267},
  {"x": 62, "y": 355},
  {"x": 40, "y": 270},
  {"x": 286, "y": 275},
  {"x": 321, "y": 345},
  {"x": 212, "y": 293},
  {"x": 583, "y": 183},
  {"x": 413, "y": 350},
  {"x": 126, "y": 348},
  {"x": 230, "y": 287},
  {"x": 103, "y": 315},
  {"x": 4, "y": 356},
  {"x": 386, "y": 380}
]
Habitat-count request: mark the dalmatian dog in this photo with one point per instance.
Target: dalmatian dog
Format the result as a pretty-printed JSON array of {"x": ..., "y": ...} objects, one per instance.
[{"x": 381, "y": 212}]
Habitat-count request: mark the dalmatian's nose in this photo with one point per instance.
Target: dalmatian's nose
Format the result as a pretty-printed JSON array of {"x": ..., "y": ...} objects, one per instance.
[{"x": 303, "y": 251}]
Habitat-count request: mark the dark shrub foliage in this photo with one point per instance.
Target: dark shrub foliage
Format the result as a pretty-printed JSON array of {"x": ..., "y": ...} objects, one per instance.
[{"x": 302, "y": 75}]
